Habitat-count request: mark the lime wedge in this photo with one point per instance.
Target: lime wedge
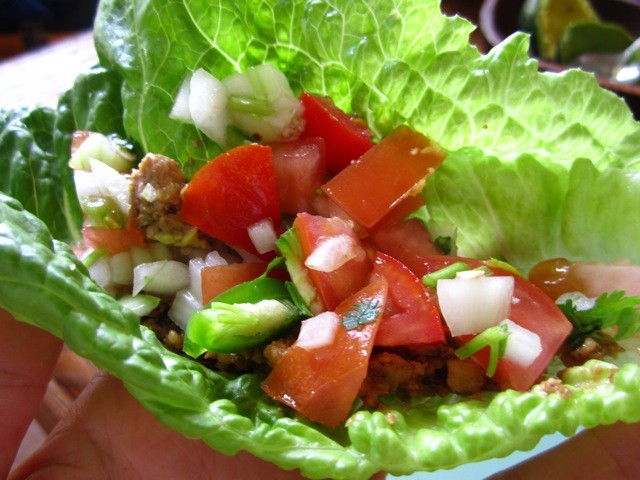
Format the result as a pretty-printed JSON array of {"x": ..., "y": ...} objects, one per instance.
[
  {"x": 548, "y": 19},
  {"x": 592, "y": 37}
]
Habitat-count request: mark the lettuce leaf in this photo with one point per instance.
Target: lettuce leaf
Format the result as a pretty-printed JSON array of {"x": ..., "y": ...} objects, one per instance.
[
  {"x": 392, "y": 62},
  {"x": 231, "y": 414},
  {"x": 526, "y": 210},
  {"x": 526, "y": 178}
]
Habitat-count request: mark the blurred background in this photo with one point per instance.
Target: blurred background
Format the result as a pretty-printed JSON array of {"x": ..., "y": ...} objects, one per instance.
[{"x": 26, "y": 25}]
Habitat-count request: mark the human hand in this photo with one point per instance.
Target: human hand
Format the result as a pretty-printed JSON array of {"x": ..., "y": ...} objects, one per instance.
[
  {"x": 107, "y": 433},
  {"x": 606, "y": 452}
]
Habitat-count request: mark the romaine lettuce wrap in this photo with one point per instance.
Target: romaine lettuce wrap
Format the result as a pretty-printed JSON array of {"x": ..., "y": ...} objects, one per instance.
[{"x": 545, "y": 179}]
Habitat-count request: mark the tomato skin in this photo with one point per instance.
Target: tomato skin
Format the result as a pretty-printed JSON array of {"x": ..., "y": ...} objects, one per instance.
[
  {"x": 232, "y": 192},
  {"x": 220, "y": 278},
  {"x": 113, "y": 240},
  {"x": 301, "y": 169},
  {"x": 393, "y": 169},
  {"x": 341, "y": 283},
  {"x": 411, "y": 314},
  {"x": 322, "y": 383},
  {"x": 408, "y": 241},
  {"x": 532, "y": 309},
  {"x": 346, "y": 138}
]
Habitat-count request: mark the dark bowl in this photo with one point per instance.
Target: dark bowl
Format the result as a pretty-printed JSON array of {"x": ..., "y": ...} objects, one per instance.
[{"x": 499, "y": 19}]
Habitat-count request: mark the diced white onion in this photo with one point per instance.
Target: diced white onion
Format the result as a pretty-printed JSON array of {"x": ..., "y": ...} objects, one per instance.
[
  {"x": 195, "y": 277},
  {"x": 183, "y": 306},
  {"x": 121, "y": 268},
  {"x": 100, "y": 272},
  {"x": 141, "y": 305},
  {"x": 333, "y": 252},
  {"x": 471, "y": 305},
  {"x": 318, "y": 331},
  {"x": 180, "y": 110},
  {"x": 213, "y": 259},
  {"x": 165, "y": 277},
  {"x": 263, "y": 235},
  {"x": 580, "y": 301},
  {"x": 270, "y": 83},
  {"x": 101, "y": 148},
  {"x": 208, "y": 105},
  {"x": 111, "y": 183},
  {"x": 149, "y": 193},
  {"x": 523, "y": 345}
]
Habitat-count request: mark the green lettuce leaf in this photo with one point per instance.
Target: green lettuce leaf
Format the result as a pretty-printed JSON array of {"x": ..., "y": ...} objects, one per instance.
[
  {"x": 392, "y": 62},
  {"x": 231, "y": 414},
  {"x": 526, "y": 211},
  {"x": 543, "y": 178}
]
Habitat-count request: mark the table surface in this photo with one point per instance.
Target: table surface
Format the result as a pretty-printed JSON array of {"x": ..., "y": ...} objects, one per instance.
[{"x": 40, "y": 76}]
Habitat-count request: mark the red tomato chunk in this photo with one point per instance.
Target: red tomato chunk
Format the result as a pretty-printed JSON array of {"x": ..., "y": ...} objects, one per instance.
[
  {"x": 346, "y": 138},
  {"x": 301, "y": 170},
  {"x": 532, "y": 309},
  {"x": 322, "y": 383},
  {"x": 385, "y": 175},
  {"x": 232, "y": 192},
  {"x": 411, "y": 315}
]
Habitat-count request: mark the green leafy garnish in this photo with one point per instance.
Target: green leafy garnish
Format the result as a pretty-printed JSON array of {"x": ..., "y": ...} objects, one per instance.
[
  {"x": 363, "y": 312},
  {"x": 445, "y": 273},
  {"x": 608, "y": 310},
  {"x": 495, "y": 338}
]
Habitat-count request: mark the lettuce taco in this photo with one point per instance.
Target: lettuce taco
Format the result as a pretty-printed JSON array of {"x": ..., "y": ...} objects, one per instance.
[{"x": 524, "y": 180}]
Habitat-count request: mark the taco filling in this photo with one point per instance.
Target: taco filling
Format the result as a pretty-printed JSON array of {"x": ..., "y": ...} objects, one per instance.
[{"x": 302, "y": 253}]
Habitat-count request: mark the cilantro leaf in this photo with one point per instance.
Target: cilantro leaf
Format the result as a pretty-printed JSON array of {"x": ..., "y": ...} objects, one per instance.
[
  {"x": 362, "y": 313},
  {"x": 608, "y": 310}
]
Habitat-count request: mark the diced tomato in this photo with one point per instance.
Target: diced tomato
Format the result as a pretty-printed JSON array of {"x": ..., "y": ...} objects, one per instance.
[
  {"x": 322, "y": 383},
  {"x": 411, "y": 314},
  {"x": 301, "y": 169},
  {"x": 407, "y": 241},
  {"x": 406, "y": 207},
  {"x": 231, "y": 193},
  {"x": 346, "y": 137},
  {"x": 220, "y": 278},
  {"x": 113, "y": 240},
  {"x": 343, "y": 282},
  {"x": 385, "y": 175},
  {"x": 532, "y": 309}
]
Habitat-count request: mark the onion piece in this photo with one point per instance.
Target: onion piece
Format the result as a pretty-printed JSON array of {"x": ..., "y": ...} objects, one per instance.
[
  {"x": 471, "y": 305},
  {"x": 165, "y": 277},
  {"x": 318, "y": 331},
  {"x": 523, "y": 345},
  {"x": 180, "y": 110},
  {"x": 100, "y": 272},
  {"x": 183, "y": 306},
  {"x": 333, "y": 252},
  {"x": 208, "y": 106},
  {"x": 141, "y": 305},
  {"x": 121, "y": 268},
  {"x": 263, "y": 235},
  {"x": 111, "y": 183}
]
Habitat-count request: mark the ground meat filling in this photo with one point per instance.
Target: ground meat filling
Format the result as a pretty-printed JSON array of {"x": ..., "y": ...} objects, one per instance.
[
  {"x": 425, "y": 370},
  {"x": 156, "y": 185}
]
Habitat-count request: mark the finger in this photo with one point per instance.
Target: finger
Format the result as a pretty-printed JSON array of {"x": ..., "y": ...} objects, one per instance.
[
  {"x": 108, "y": 434},
  {"x": 603, "y": 452},
  {"x": 27, "y": 359}
]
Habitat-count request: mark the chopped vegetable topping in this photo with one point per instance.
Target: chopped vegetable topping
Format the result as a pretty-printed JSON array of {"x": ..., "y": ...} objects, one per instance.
[
  {"x": 495, "y": 338},
  {"x": 448, "y": 272},
  {"x": 363, "y": 312},
  {"x": 608, "y": 310}
]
